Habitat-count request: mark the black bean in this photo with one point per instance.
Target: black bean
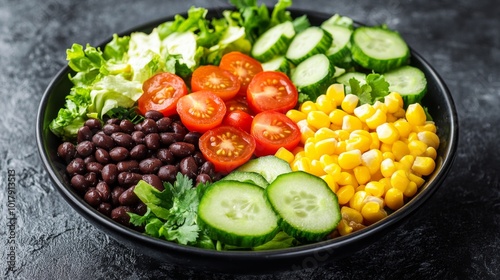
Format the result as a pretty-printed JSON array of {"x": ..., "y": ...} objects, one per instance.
[
  {"x": 104, "y": 190},
  {"x": 188, "y": 167},
  {"x": 85, "y": 148},
  {"x": 92, "y": 179},
  {"x": 200, "y": 159},
  {"x": 154, "y": 181},
  {"x": 163, "y": 124},
  {"x": 102, "y": 156},
  {"x": 153, "y": 114},
  {"x": 76, "y": 166},
  {"x": 118, "y": 153},
  {"x": 120, "y": 215},
  {"x": 181, "y": 149},
  {"x": 178, "y": 128},
  {"x": 128, "y": 197},
  {"x": 105, "y": 208},
  {"x": 167, "y": 173},
  {"x": 202, "y": 179},
  {"x": 94, "y": 167},
  {"x": 93, "y": 124},
  {"x": 138, "y": 137},
  {"x": 109, "y": 173},
  {"x": 111, "y": 128},
  {"x": 150, "y": 165},
  {"x": 139, "y": 152},
  {"x": 102, "y": 140},
  {"x": 113, "y": 121},
  {"x": 123, "y": 140},
  {"x": 88, "y": 159},
  {"x": 128, "y": 179},
  {"x": 79, "y": 183},
  {"x": 84, "y": 133},
  {"x": 92, "y": 197},
  {"x": 141, "y": 209},
  {"x": 127, "y": 126},
  {"x": 168, "y": 138},
  {"x": 115, "y": 194},
  {"x": 152, "y": 141},
  {"x": 128, "y": 165},
  {"x": 207, "y": 168},
  {"x": 165, "y": 155},
  {"x": 149, "y": 126},
  {"x": 192, "y": 137},
  {"x": 66, "y": 151}
]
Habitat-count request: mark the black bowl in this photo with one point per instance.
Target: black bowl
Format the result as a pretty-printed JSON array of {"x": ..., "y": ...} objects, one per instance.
[{"x": 438, "y": 101}]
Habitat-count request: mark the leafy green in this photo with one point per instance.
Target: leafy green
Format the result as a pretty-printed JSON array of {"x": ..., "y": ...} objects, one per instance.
[
  {"x": 123, "y": 113},
  {"x": 374, "y": 88}
]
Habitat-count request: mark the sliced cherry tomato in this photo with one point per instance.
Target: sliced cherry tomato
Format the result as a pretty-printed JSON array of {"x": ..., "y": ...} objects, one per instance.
[
  {"x": 216, "y": 80},
  {"x": 238, "y": 118},
  {"x": 201, "y": 110},
  {"x": 273, "y": 130},
  {"x": 226, "y": 147},
  {"x": 238, "y": 103},
  {"x": 161, "y": 93},
  {"x": 242, "y": 66},
  {"x": 271, "y": 90}
]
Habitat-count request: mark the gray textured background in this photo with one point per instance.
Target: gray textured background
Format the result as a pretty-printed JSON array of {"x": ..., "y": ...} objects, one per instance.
[{"x": 456, "y": 235}]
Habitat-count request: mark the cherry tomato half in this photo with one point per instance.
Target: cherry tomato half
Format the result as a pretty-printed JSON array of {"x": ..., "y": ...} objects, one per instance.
[
  {"x": 271, "y": 90},
  {"x": 242, "y": 66},
  {"x": 226, "y": 147},
  {"x": 238, "y": 103},
  {"x": 273, "y": 130},
  {"x": 161, "y": 93},
  {"x": 238, "y": 118},
  {"x": 217, "y": 80},
  {"x": 201, "y": 110}
]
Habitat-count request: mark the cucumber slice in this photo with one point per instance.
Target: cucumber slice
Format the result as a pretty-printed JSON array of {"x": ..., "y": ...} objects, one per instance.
[
  {"x": 308, "y": 208},
  {"x": 340, "y": 48},
  {"x": 313, "y": 76},
  {"x": 268, "y": 166},
  {"x": 237, "y": 213},
  {"x": 279, "y": 63},
  {"x": 344, "y": 79},
  {"x": 273, "y": 42},
  {"x": 409, "y": 82},
  {"x": 248, "y": 177},
  {"x": 379, "y": 49},
  {"x": 307, "y": 43}
]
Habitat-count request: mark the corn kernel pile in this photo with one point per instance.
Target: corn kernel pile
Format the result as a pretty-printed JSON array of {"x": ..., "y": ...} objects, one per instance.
[{"x": 373, "y": 157}]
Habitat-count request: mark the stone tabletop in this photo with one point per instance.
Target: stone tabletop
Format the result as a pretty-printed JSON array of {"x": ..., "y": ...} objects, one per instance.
[{"x": 454, "y": 235}]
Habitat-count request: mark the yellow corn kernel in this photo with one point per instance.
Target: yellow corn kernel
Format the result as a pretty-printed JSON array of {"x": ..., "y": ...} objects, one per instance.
[
  {"x": 360, "y": 188},
  {"x": 358, "y": 142},
  {"x": 430, "y": 152},
  {"x": 428, "y": 126},
  {"x": 341, "y": 147},
  {"x": 350, "y": 159},
  {"x": 388, "y": 155},
  {"x": 301, "y": 164},
  {"x": 351, "y": 215},
  {"x": 300, "y": 154},
  {"x": 380, "y": 106},
  {"x": 417, "y": 147},
  {"x": 415, "y": 114},
  {"x": 316, "y": 168},
  {"x": 411, "y": 189},
  {"x": 407, "y": 162},
  {"x": 423, "y": 165},
  {"x": 397, "y": 95},
  {"x": 429, "y": 138},
  {"x": 372, "y": 159},
  {"x": 386, "y": 182},
  {"x": 351, "y": 123},
  {"x": 345, "y": 193},
  {"x": 419, "y": 181},
  {"x": 347, "y": 178},
  {"x": 400, "y": 149},
  {"x": 325, "y": 104},
  {"x": 391, "y": 101},
  {"x": 328, "y": 159},
  {"x": 391, "y": 118},
  {"x": 310, "y": 149},
  {"x": 375, "y": 143},
  {"x": 284, "y": 154},
  {"x": 349, "y": 103},
  {"x": 387, "y": 167},
  {"x": 375, "y": 188},
  {"x": 318, "y": 119},
  {"x": 387, "y": 133},
  {"x": 399, "y": 180},
  {"x": 333, "y": 170},
  {"x": 297, "y": 150},
  {"x": 362, "y": 174},
  {"x": 403, "y": 127},
  {"x": 372, "y": 212},
  {"x": 296, "y": 115},
  {"x": 358, "y": 200},
  {"x": 384, "y": 148},
  {"x": 308, "y": 106},
  {"x": 330, "y": 181},
  {"x": 336, "y": 92},
  {"x": 306, "y": 131},
  {"x": 324, "y": 133},
  {"x": 400, "y": 113},
  {"x": 360, "y": 132},
  {"x": 325, "y": 147},
  {"x": 344, "y": 228},
  {"x": 337, "y": 117},
  {"x": 364, "y": 111},
  {"x": 341, "y": 135},
  {"x": 378, "y": 118},
  {"x": 394, "y": 198}
]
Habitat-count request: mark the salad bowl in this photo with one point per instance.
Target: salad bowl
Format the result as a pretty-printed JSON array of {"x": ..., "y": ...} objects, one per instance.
[{"x": 438, "y": 101}]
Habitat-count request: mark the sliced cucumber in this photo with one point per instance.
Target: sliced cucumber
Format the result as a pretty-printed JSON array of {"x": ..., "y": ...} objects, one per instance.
[
  {"x": 237, "y": 213},
  {"x": 308, "y": 209},
  {"x": 313, "y": 75},
  {"x": 273, "y": 42},
  {"x": 248, "y": 177},
  {"x": 409, "y": 82},
  {"x": 307, "y": 43},
  {"x": 379, "y": 49},
  {"x": 344, "y": 79},
  {"x": 339, "y": 51},
  {"x": 268, "y": 166},
  {"x": 279, "y": 63}
]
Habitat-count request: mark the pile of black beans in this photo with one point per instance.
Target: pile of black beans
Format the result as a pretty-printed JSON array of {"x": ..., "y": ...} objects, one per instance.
[{"x": 110, "y": 158}]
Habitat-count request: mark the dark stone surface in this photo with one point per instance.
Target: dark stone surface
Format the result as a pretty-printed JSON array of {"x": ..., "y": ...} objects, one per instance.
[{"x": 455, "y": 235}]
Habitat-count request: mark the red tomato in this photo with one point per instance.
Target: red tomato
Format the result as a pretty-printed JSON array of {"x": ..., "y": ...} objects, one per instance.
[
  {"x": 217, "y": 80},
  {"x": 226, "y": 147},
  {"x": 273, "y": 130},
  {"x": 238, "y": 103},
  {"x": 270, "y": 90},
  {"x": 161, "y": 93},
  {"x": 201, "y": 110},
  {"x": 238, "y": 118},
  {"x": 242, "y": 66}
]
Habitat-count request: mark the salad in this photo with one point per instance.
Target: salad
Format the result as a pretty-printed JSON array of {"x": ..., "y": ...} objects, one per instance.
[{"x": 251, "y": 131}]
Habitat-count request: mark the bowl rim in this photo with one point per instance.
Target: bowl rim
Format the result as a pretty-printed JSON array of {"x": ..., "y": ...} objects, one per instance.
[{"x": 123, "y": 233}]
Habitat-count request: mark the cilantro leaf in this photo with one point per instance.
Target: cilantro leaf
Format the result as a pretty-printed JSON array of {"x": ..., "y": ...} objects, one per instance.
[{"x": 374, "y": 88}]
